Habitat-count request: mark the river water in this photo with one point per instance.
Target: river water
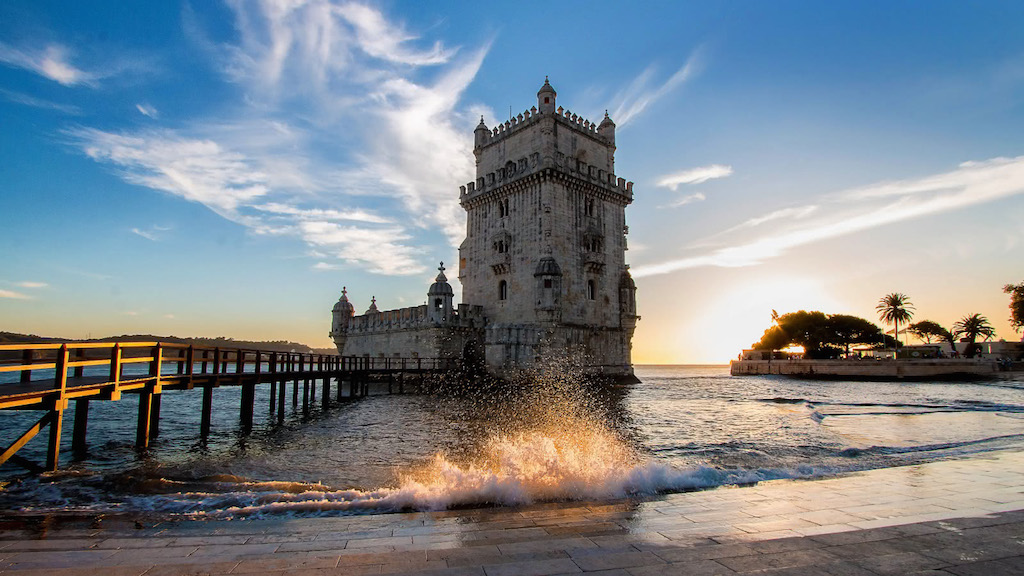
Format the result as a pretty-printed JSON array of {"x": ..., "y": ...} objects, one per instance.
[{"x": 680, "y": 428}]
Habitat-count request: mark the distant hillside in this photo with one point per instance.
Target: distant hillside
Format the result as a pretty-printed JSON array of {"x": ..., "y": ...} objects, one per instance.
[{"x": 274, "y": 346}]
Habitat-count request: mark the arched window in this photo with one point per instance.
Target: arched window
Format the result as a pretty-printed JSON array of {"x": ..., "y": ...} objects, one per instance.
[
  {"x": 588, "y": 207},
  {"x": 502, "y": 290},
  {"x": 590, "y": 290}
]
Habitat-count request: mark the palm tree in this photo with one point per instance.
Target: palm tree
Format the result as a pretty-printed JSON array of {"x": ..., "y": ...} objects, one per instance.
[
  {"x": 893, "y": 309},
  {"x": 971, "y": 327}
]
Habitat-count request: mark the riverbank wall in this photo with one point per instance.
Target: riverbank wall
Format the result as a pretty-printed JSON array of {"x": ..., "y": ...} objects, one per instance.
[{"x": 876, "y": 369}]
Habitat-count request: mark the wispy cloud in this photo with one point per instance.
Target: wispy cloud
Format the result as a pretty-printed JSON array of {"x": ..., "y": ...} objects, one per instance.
[
  {"x": 147, "y": 110},
  {"x": 640, "y": 94},
  {"x": 14, "y": 295},
  {"x": 348, "y": 133},
  {"x": 31, "y": 284},
  {"x": 19, "y": 98},
  {"x": 695, "y": 197},
  {"x": 794, "y": 213},
  {"x": 52, "y": 62},
  {"x": 861, "y": 209},
  {"x": 197, "y": 170},
  {"x": 694, "y": 176},
  {"x": 147, "y": 235}
]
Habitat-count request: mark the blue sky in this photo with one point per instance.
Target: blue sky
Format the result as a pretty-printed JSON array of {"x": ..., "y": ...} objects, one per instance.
[{"x": 223, "y": 169}]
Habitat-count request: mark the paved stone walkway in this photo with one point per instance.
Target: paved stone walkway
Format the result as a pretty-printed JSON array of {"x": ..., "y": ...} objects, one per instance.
[{"x": 961, "y": 517}]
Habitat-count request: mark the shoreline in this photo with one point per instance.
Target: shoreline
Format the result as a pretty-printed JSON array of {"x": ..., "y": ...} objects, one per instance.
[{"x": 958, "y": 512}]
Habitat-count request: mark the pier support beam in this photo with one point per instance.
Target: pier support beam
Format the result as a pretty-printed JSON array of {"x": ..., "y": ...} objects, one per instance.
[
  {"x": 145, "y": 409},
  {"x": 246, "y": 409},
  {"x": 78, "y": 444},
  {"x": 154, "y": 416},
  {"x": 204, "y": 426}
]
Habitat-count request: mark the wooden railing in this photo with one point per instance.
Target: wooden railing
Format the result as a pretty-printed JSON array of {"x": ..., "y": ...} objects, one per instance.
[{"x": 52, "y": 374}]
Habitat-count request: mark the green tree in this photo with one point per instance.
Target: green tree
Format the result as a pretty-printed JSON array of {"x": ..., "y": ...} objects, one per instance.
[
  {"x": 774, "y": 338},
  {"x": 971, "y": 327},
  {"x": 893, "y": 309},
  {"x": 844, "y": 330},
  {"x": 1016, "y": 292},
  {"x": 927, "y": 330},
  {"x": 821, "y": 335}
]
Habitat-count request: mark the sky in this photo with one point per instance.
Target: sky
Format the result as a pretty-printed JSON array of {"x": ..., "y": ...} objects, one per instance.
[{"x": 224, "y": 169}]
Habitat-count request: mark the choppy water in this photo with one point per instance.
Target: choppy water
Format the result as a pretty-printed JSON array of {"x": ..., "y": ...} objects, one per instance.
[{"x": 681, "y": 428}]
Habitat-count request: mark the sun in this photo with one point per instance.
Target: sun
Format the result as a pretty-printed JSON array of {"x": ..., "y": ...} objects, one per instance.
[{"x": 739, "y": 315}]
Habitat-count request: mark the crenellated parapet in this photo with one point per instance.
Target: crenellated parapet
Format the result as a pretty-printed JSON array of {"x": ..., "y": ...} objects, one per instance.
[
  {"x": 485, "y": 136},
  {"x": 526, "y": 166}
]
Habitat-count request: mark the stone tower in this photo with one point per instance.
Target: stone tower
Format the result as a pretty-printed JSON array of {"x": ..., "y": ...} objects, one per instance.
[{"x": 544, "y": 253}]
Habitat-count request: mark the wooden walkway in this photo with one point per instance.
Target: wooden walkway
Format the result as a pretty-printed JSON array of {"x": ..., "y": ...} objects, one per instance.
[{"x": 52, "y": 375}]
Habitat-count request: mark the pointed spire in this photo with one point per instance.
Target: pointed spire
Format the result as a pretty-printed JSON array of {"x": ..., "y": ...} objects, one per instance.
[{"x": 440, "y": 274}]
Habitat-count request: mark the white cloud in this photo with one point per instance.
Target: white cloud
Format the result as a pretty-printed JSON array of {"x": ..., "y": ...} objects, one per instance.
[
  {"x": 169, "y": 316},
  {"x": 147, "y": 235},
  {"x": 382, "y": 39},
  {"x": 348, "y": 133},
  {"x": 34, "y": 102},
  {"x": 13, "y": 295},
  {"x": 695, "y": 197},
  {"x": 322, "y": 214},
  {"x": 197, "y": 170},
  {"x": 148, "y": 110},
  {"x": 375, "y": 249},
  {"x": 795, "y": 213},
  {"x": 30, "y": 284},
  {"x": 694, "y": 176},
  {"x": 635, "y": 98},
  {"x": 861, "y": 209},
  {"x": 50, "y": 62}
]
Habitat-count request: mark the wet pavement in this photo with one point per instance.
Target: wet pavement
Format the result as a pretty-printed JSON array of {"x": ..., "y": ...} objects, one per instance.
[{"x": 961, "y": 517}]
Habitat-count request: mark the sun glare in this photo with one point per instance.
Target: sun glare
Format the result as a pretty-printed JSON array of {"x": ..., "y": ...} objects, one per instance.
[{"x": 740, "y": 315}]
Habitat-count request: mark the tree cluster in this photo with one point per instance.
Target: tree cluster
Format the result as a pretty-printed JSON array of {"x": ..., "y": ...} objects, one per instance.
[
  {"x": 821, "y": 335},
  {"x": 1016, "y": 292}
]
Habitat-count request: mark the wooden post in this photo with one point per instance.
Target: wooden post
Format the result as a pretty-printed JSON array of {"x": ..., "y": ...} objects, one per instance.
[
  {"x": 26, "y": 358},
  {"x": 273, "y": 383},
  {"x": 79, "y": 370},
  {"x": 305, "y": 384},
  {"x": 154, "y": 416},
  {"x": 204, "y": 426},
  {"x": 190, "y": 359},
  {"x": 142, "y": 428},
  {"x": 248, "y": 392},
  {"x": 295, "y": 385},
  {"x": 78, "y": 444},
  {"x": 61, "y": 383}
]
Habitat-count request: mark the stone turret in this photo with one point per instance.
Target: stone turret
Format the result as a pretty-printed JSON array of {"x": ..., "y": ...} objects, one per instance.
[
  {"x": 373, "y": 306},
  {"x": 439, "y": 298},
  {"x": 606, "y": 129},
  {"x": 340, "y": 316},
  {"x": 546, "y": 98}
]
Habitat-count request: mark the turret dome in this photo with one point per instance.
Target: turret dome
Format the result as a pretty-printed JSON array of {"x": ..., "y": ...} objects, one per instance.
[
  {"x": 548, "y": 267},
  {"x": 343, "y": 305},
  {"x": 441, "y": 287}
]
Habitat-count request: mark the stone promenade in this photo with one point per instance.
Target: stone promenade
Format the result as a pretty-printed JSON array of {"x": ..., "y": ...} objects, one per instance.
[{"x": 955, "y": 517}]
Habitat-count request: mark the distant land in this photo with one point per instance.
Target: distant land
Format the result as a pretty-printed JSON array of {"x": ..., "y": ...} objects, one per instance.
[{"x": 274, "y": 346}]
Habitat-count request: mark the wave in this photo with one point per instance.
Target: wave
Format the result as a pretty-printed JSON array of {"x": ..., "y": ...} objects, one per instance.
[{"x": 579, "y": 464}]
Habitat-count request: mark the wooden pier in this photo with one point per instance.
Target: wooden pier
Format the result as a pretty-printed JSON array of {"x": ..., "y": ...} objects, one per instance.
[{"x": 52, "y": 375}]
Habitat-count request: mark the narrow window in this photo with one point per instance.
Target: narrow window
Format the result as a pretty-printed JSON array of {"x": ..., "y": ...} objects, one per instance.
[
  {"x": 588, "y": 207},
  {"x": 502, "y": 290},
  {"x": 590, "y": 289},
  {"x": 547, "y": 282},
  {"x": 546, "y": 99},
  {"x": 438, "y": 303}
]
